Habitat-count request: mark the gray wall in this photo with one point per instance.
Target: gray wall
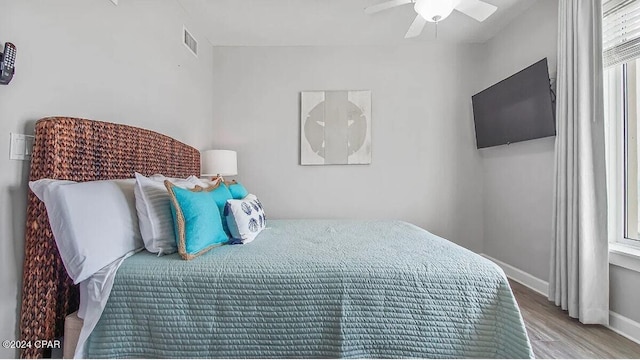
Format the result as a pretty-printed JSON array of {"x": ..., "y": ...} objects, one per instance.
[
  {"x": 624, "y": 292},
  {"x": 518, "y": 178},
  {"x": 89, "y": 58},
  {"x": 425, "y": 168}
]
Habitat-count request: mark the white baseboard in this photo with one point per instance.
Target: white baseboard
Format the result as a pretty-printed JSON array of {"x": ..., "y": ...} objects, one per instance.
[
  {"x": 617, "y": 323},
  {"x": 524, "y": 278},
  {"x": 624, "y": 326}
]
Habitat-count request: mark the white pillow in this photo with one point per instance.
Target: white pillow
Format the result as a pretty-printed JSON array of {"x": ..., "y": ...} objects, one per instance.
[
  {"x": 94, "y": 223},
  {"x": 245, "y": 218},
  {"x": 154, "y": 211}
]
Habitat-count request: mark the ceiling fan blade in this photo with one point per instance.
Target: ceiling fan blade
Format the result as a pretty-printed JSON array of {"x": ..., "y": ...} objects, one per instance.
[
  {"x": 416, "y": 27},
  {"x": 476, "y": 9},
  {"x": 385, "y": 5}
]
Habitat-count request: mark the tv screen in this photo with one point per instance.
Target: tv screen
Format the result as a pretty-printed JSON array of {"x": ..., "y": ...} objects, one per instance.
[{"x": 517, "y": 108}]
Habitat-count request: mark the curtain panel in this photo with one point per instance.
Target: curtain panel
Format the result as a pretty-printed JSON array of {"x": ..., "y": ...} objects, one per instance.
[{"x": 579, "y": 277}]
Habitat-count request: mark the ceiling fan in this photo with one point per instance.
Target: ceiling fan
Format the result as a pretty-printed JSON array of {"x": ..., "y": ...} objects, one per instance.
[{"x": 436, "y": 11}]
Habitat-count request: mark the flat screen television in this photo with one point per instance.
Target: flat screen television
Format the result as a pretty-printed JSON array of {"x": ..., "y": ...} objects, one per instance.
[{"x": 517, "y": 108}]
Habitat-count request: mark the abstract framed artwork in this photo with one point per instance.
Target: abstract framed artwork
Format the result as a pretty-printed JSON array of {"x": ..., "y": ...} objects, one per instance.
[{"x": 335, "y": 127}]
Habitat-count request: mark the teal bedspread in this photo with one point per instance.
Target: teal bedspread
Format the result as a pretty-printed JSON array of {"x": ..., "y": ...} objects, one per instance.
[{"x": 314, "y": 288}]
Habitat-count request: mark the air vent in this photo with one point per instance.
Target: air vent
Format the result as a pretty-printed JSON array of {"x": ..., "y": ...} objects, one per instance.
[{"x": 189, "y": 41}]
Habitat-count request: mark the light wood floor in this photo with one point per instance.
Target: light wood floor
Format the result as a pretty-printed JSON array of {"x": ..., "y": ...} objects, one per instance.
[{"x": 554, "y": 334}]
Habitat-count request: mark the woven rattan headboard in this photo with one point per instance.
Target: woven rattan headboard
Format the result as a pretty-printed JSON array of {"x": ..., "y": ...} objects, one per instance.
[{"x": 81, "y": 150}]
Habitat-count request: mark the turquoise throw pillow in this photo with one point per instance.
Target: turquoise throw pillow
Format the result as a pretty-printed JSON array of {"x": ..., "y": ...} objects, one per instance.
[
  {"x": 197, "y": 221},
  {"x": 220, "y": 195},
  {"x": 237, "y": 191}
]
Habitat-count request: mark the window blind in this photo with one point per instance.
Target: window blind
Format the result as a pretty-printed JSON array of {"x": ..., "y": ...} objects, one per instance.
[{"x": 620, "y": 31}]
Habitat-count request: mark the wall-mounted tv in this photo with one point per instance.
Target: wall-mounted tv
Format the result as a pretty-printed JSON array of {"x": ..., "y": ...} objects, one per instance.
[{"x": 517, "y": 108}]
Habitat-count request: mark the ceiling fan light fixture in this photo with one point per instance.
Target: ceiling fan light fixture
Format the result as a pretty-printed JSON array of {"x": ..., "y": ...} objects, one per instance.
[{"x": 434, "y": 10}]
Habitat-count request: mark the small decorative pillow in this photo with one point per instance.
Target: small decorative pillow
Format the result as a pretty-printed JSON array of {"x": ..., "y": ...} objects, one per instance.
[
  {"x": 94, "y": 223},
  {"x": 198, "y": 225},
  {"x": 154, "y": 212},
  {"x": 246, "y": 218},
  {"x": 237, "y": 190}
]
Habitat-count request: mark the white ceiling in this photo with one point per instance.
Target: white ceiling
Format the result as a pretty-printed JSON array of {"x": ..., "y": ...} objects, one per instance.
[{"x": 334, "y": 22}]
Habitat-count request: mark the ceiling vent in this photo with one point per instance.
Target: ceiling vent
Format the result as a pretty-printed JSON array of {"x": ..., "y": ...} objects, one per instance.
[{"x": 189, "y": 41}]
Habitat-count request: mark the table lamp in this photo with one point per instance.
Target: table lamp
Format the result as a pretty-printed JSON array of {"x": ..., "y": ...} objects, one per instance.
[{"x": 218, "y": 163}]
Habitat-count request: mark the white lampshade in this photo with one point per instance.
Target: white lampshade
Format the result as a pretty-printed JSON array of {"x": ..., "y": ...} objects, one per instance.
[
  {"x": 218, "y": 163},
  {"x": 435, "y": 10}
]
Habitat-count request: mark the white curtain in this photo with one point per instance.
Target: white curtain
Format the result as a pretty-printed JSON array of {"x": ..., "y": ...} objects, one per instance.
[{"x": 579, "y": 278}]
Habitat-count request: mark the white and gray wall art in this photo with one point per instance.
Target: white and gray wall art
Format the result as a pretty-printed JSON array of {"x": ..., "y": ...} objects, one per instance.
[{"x": 335, "y": 127}]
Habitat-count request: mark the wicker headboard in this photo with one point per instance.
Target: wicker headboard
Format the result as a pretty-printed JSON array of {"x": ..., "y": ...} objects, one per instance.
[{"x": 81, "y": 150}]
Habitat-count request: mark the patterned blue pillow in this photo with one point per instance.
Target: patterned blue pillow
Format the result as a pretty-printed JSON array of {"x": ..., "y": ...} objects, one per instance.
[
  {"x": 197, "y": 221},
  {"x": 246, "y": 219}
]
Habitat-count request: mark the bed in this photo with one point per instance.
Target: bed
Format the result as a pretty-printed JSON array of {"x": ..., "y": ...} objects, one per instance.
[{"x": 303, "y": 288}]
